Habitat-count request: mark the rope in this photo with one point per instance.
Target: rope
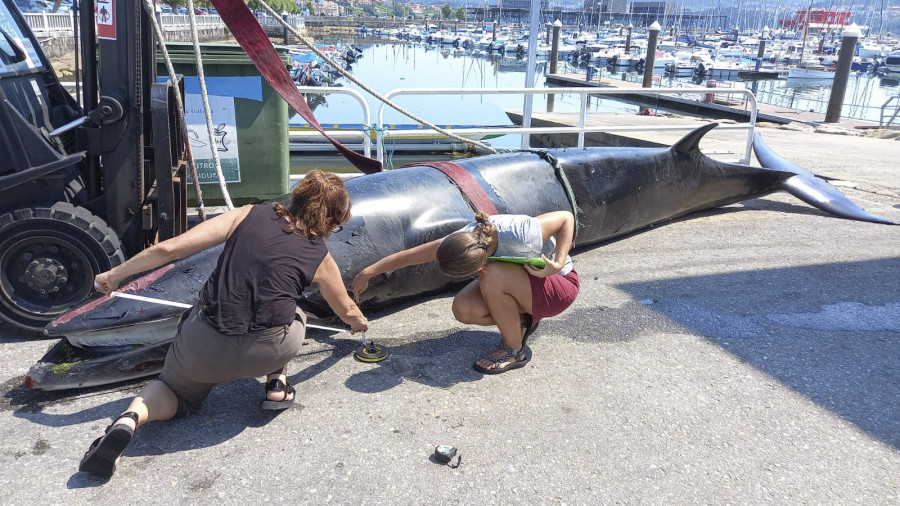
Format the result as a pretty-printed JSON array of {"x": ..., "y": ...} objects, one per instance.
[
  {"x": 209, "y": 124},
  {"x": 374, "y": 93},
  {"x": 179, "y": 104}
]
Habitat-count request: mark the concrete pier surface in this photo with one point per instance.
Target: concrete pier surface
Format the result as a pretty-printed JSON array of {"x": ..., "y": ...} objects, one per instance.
[{"x": 747, "y": 354}]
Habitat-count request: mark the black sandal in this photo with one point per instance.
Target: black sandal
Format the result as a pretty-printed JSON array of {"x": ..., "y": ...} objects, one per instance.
[
  {"x": 528, "y": 326},
  {"x": 100, "y": 459},
  {"x": 276, "y": 385},
  {"x": 520, "y": 358}
]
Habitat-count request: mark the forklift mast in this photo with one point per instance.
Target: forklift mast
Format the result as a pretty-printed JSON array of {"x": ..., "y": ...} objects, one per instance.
[
  {"x": 84, "y": 186},
  {"x": 125, "y": 144}
]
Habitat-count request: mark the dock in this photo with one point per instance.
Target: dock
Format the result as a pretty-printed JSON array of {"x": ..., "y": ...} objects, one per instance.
[{"x": 717, "y": 104}]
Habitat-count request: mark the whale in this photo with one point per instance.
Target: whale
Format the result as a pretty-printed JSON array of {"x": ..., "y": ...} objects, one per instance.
[{"x": 612, "y": 191}]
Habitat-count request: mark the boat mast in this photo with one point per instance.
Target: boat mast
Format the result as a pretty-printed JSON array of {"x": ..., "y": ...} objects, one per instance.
[{"x": 805, "y": 31}]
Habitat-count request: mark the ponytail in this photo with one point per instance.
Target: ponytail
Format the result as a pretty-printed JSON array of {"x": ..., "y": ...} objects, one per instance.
[{"x": 462, "y": 253}]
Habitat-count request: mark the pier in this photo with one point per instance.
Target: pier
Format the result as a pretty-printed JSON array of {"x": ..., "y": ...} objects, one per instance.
[{"x": 717, "y": 104}]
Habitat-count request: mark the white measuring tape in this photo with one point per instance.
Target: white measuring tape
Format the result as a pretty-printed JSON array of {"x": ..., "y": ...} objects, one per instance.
[{"x": 187, "y": 306}]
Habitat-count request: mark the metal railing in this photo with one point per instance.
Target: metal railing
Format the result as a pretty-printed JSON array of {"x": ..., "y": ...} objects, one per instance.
[
  {"x": 296, "y": 136},
  {"x": 581, "y": 128},
  {"x": 884, "y": 106},
  {"x": 381, "y": 131}
]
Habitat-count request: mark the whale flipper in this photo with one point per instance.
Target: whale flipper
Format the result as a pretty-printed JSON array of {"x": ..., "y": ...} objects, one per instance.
[{"x": 812, "y": 189}]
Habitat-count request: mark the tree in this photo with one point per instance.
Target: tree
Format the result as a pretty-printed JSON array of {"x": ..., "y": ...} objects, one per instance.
[
  {"x": 446, "y": 11},
  {"x": 461, "y": 14},
  {"x": 311, "y": 8}
]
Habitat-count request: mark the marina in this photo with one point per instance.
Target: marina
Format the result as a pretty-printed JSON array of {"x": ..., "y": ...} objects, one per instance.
[
  {"x": 734, "y": 340},
  {"x": 400, "y": 64}
]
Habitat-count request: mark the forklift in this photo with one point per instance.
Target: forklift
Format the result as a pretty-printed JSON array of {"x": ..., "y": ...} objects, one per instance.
[{"x": 88, "y": 183}]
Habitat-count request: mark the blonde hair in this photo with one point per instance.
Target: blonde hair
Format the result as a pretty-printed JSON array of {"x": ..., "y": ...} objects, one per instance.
[
  {"x": 320, "y": 201},
  {"x": 462, "y": 253}
]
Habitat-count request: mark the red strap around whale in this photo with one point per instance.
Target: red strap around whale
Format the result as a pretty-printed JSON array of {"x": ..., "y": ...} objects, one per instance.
[
  {"x": 470, "y": 188},
  {"x": 256, "y": 43}
]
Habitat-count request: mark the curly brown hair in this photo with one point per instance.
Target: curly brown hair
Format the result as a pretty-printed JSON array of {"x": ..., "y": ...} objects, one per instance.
[
  {"x": 319, "y": 201},
  {"x": 462, "y": 253}
]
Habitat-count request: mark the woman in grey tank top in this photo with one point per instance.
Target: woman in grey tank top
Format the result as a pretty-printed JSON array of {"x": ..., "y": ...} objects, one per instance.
[{"x": 513, "y": 297}]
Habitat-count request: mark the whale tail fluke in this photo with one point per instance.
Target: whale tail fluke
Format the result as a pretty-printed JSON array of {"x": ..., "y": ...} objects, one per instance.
[{"x": 812, "y": 189}]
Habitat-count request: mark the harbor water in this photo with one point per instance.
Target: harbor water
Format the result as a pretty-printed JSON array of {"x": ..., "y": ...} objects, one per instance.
[{"x": 390, "y": 65}]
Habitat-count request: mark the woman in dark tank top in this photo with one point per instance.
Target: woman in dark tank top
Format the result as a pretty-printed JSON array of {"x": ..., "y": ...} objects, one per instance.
[{"x": 246, "y": 323}]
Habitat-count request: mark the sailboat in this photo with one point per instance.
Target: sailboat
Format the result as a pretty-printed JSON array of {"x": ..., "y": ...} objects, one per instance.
[{"x": 809, "y": 69}]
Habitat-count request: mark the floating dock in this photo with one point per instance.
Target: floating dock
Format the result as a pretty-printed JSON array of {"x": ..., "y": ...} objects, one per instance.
[{"x": 716, "y": 104}]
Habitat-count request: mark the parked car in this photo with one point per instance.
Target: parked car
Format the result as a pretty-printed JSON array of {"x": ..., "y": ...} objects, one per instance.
[
  {"x": 32, "y": 5},
  {"x": 165, "y": 9},
  {"x": 181, "y": 10},
  {"x": 198, "y": 11}
]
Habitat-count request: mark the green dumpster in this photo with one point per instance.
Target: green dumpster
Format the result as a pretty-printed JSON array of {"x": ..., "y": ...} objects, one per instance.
[{"x": 250, "y": 124}]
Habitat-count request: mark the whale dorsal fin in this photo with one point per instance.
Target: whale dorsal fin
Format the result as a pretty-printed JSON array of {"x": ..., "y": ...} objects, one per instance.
[{"x": 691, "y": 142}]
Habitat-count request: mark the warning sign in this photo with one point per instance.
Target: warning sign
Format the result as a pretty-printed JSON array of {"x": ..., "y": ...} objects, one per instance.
[{"x": 106, "y": 19}]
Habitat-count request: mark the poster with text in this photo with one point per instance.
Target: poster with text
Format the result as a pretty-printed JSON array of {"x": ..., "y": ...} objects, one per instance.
[{"x": 224, "y": 136}]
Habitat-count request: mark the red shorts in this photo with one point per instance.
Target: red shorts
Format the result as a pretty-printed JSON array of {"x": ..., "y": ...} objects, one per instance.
[{"x": 552, "y": 295}]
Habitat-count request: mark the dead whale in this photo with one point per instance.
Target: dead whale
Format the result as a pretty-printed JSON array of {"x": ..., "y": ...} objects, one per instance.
[{"x": 613, "y": 191}]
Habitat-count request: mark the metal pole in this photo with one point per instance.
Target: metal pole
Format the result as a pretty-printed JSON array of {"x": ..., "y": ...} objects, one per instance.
[
  {"x": 628, "y": 39},
  {"x": 651, "y": 54},
  {"x": 529, "y": 69},
  {"x": 287, "y": 36},
  {"x": 760, "y": 53},
  {"x": 842, "y": 72},
  {"x": 554, "y": 48},
  {"x": 547, "y": 38}
]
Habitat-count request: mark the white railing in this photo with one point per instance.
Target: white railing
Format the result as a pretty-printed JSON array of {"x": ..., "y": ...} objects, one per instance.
[
  {"x": 43, "y": 23},
  {"x": 881, "y": 122},
  {"x": 185, "y": 20},
  {"x": 363, "y": 134},
  {"x": 381, "y": 130},
  {"x": 294, "y": 20},
  {"x": 46, "y": 23}
]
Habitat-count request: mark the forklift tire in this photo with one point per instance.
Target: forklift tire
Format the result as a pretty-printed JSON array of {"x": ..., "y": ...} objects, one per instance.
[{"x": 48, "y": 260}]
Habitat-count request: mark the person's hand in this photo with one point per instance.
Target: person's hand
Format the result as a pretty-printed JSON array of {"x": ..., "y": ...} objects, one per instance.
[
  {"x": 548, "y": 270},
  {"x": 361, "y": 325},
  {"x": 360, "y": 283},
  {"x": 106, "y": 282}
]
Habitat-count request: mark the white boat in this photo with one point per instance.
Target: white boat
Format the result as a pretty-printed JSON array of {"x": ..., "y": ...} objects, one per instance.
[
  {"x": 892, "y": 62},
  {"x": 869, "y": 49},
  {"x": 818, "y": 72}
]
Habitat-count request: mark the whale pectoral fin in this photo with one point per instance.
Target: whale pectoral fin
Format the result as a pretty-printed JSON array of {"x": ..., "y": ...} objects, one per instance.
[
  {"x": 812, "y": 189},
  {"x": 691, "y": 142}
]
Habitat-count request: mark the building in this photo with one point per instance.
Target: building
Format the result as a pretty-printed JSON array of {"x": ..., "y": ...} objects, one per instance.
[{"x": 819, "y": 19}]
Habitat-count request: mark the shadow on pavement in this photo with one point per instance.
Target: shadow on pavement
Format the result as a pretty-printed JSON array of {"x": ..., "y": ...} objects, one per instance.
[{"x": 830, "y": 332}]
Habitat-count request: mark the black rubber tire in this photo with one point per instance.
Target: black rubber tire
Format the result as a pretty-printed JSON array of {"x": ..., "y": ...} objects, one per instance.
[{"x": 48, "y": 260}]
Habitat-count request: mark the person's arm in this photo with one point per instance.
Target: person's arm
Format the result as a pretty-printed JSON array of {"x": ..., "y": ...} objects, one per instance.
[
  {"x": 417, "y": 255},
  {"x": 204, "y": 235},
  {"x": 328, "y": 276},
  {"x": 561, "y": 226}
]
